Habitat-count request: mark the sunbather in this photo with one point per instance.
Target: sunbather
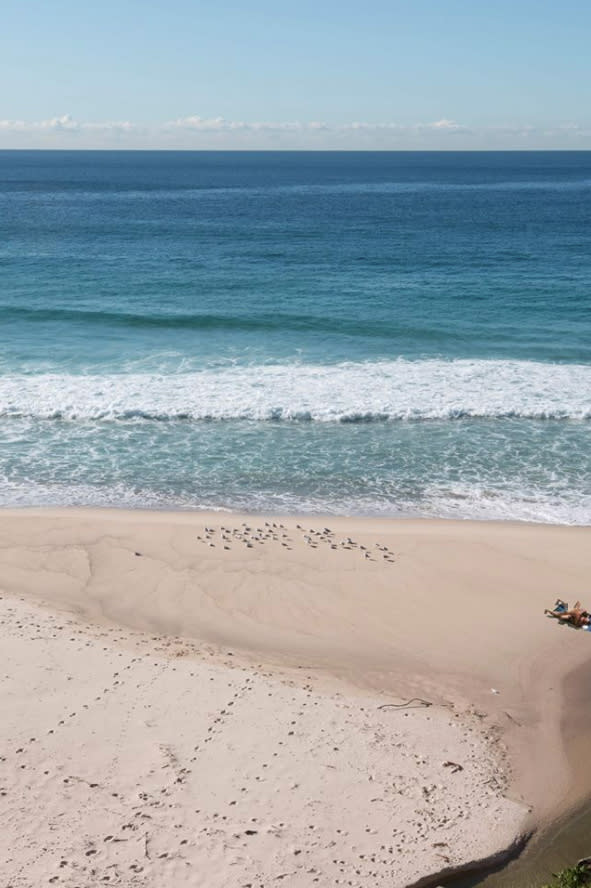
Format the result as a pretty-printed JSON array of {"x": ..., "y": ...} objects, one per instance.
[{"x": 576, "y": 616}]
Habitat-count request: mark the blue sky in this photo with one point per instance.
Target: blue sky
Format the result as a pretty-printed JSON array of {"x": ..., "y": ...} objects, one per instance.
[{"x": 262, "y": 74}]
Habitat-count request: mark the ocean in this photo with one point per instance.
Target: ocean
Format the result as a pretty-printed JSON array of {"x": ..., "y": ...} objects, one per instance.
[{"x": 389, "y": 333}]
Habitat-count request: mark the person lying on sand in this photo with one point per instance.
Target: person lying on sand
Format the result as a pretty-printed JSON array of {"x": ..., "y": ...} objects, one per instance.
[{"x": 576, "y": 616}]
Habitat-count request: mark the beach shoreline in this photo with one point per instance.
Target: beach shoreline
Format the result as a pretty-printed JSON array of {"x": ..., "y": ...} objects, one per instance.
[{"x": 445, "y": 611}]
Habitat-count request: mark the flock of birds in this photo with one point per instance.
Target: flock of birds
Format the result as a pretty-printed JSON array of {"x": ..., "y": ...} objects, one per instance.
[{"x": 249, "y": 537}]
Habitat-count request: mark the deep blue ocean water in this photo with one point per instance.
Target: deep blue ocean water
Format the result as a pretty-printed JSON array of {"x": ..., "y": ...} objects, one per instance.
[{"x": 362, "y": 333}]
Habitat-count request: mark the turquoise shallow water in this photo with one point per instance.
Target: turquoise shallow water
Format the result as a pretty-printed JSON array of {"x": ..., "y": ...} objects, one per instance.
[{"x": 388, "y": 333}]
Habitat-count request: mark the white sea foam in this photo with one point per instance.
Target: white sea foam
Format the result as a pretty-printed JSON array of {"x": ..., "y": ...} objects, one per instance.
[
  {"x": 387, "y": 390},
  {"x": 437, "y": 502}
]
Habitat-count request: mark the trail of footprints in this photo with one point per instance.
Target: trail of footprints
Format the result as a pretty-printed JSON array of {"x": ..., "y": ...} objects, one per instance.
[
  {"x": 132, "y": 850},
  {"x": 250, "y": 537},
  {"x": 178, "y": 812}
]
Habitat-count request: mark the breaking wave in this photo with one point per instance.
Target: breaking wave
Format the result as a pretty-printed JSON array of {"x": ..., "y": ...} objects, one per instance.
[{"x": 347, "y": 392}]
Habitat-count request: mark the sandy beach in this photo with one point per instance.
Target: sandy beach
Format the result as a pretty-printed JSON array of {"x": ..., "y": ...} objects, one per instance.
[{"x": 227, "y": 700}]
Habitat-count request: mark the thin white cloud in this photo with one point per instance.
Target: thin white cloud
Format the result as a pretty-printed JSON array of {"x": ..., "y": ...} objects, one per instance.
[
  {"x": 220, "y": 124},
  {"x": 195, "y": 131},
  {"x": 201, "y": 124},
  {"x": 442, "y": 125},
  {"x": 63, "y": 124},
  {"x": 450, "y": 126}
]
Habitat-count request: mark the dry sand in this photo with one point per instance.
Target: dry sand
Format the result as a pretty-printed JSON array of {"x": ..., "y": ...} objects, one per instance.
[{"x": 184, "y": 709}]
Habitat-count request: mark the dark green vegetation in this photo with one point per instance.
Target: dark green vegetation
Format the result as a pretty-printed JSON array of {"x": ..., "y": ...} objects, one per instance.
[{"x": 572, "y": 877}]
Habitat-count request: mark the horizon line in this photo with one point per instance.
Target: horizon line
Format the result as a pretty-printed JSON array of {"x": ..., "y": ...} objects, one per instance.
[{"x": 301, "y": 150}]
